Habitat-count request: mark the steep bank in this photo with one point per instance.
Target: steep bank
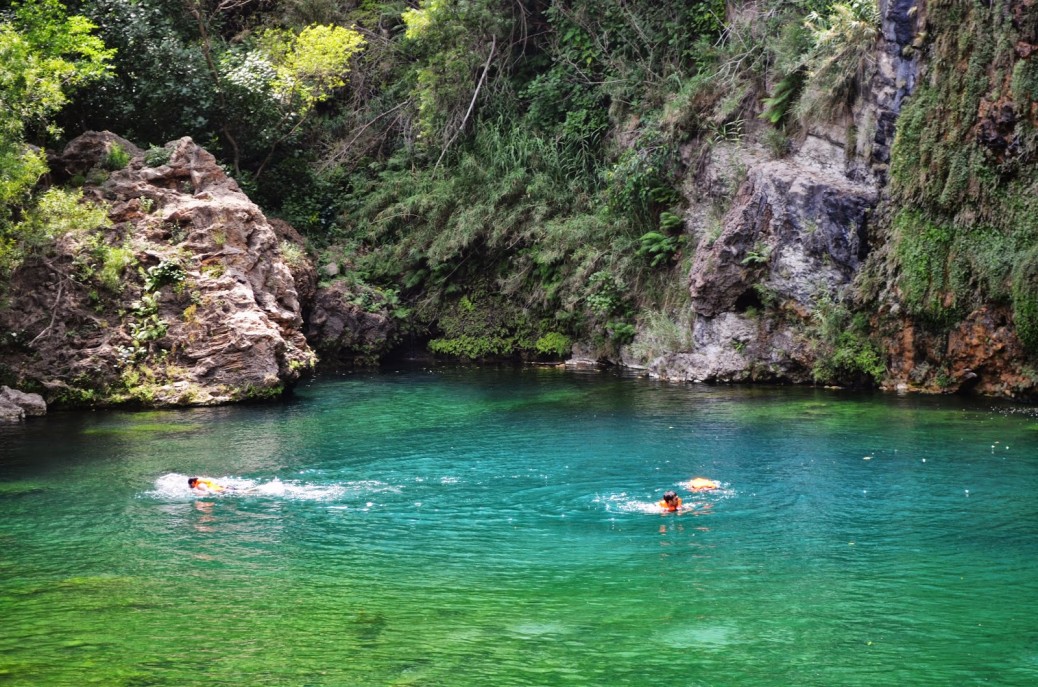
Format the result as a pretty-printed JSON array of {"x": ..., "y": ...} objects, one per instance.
[{"x": 892, "y": 245}]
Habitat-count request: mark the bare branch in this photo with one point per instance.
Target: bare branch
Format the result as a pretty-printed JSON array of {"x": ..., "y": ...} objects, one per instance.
[{"x": 472, "y": 105}]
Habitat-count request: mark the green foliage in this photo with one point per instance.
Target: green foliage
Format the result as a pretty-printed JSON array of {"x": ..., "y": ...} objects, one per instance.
[
  {"x": 841, "y": 57},
  {"x": 844, "y": 352},
  {"x": 758, "y": 255},
  {"x": 778, "y": 106},
  {"x": 960, "y": 182},
  {"x": 105, "y": 263},
  {"x": 469, "y": 347},
  {"x": 156, "y": 156},
  {"x": 479, "y": 326},
  {"x": 1025, "y": 299},
  {"x": 553, "y": 343},
  {"x": 166, "y": 272},
  {"x": 620, "y": 333},
  {"x": 43, "y": 55},
  {"x": 55, "y": 213},
  {"x": 308, "y": 66},
  {"x": 116, "y": 158},
  {"x": 160, "y": 87},
  {"x": 641, "y": 184},
  {"x": 658, "y": 247},
  {"x": 145, "y": 328},
  {"x": 605, "y": 294},
  {"x": 1024, "y": 87}
]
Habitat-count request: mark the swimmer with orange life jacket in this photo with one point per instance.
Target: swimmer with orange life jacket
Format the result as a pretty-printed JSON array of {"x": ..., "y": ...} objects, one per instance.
[
  {"x": 671, "y": 502},
  {"x": 201, "y": 485}
]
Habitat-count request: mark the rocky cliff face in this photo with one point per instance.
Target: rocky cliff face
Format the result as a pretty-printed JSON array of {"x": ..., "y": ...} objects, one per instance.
[
  {"x": 185, "y": 299},
  {"x": 804, "y": 231}
]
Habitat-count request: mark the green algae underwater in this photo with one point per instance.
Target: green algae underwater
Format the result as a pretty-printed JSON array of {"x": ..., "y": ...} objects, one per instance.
[{"x": 496, "y": 527}]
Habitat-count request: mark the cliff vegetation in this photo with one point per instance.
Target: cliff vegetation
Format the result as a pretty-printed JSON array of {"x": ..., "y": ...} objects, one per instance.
[{"x": 801, "y": 191}]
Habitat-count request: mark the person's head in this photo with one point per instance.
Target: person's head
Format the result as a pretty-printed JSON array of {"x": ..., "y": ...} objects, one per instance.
[
  {"x": 670, "y": 496},
  {"x": 192, "y": 482}
]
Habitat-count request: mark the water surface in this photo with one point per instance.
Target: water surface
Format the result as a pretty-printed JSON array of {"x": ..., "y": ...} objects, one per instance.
[{"x": 496, "y": 527}]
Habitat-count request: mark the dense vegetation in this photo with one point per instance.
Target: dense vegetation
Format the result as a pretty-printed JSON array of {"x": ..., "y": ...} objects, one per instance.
[
  {"x": 506, "y": 176},
  {"x": 966, "y": 227}
]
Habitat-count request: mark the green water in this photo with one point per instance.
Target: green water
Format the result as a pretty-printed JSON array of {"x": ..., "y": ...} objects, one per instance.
[{"x": 495, "y": 527}]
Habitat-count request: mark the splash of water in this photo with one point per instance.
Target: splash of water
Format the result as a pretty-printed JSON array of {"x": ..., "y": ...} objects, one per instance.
[{"x": 173, "y": 486}]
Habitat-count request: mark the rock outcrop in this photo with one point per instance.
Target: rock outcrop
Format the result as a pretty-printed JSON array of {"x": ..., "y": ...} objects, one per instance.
[
  {"x": 185, "y": 299},
  {"x": 342, "y": 331},
  {"x": 17, "y": 405},
  {"x": 795, "y": 234}
]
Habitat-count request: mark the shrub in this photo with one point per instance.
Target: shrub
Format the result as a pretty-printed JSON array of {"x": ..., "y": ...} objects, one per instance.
[
  {"x": 553, "y": 343},
  {"x": 116, "y": 158},
  {"x": 166, "y": 272},
  {"x": 844, "y": 352},
  {"x": 156, "y": 156}
]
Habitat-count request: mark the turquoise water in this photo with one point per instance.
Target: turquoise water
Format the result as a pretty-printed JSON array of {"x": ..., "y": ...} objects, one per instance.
[{"x": 495, "y": 527}]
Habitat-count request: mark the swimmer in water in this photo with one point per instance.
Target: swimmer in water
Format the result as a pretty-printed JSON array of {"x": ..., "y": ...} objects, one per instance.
[
  {"x": 702, "y": 484},
  {"x": 201, "y": 485},
  {"x": 671, "y": 502}
]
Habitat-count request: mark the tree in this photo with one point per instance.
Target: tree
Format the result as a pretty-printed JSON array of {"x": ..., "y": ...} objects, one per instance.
[
  {"x": 273, "y": 85},
  {"x": 44, "y": 53}
]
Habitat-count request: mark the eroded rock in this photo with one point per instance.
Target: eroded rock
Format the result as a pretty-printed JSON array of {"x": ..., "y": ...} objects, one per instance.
[{"x": 202, "y": 310}]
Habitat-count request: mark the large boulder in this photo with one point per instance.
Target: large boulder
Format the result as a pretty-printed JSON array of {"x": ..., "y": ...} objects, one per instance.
[
  {"x": 9, "y": 412},
  {"x": 794, "y": 231},
  {"x": 31, "y": 404},
  {"x": 204, "y": 309}
]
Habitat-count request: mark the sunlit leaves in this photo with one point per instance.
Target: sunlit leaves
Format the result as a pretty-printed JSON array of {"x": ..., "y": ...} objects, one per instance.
[{"x": 311, "y": 65}]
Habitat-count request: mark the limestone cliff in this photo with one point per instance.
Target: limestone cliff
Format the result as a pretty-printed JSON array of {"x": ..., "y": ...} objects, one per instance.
[{"x": 806, "y": 276}]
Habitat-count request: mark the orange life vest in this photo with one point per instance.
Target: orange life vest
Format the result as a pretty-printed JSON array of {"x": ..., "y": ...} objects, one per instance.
[{"x": 671, "y": 506}]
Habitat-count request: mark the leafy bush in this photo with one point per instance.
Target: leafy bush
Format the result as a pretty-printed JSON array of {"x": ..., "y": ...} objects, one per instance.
[
  {"x": 844, "y": 351},
  {"x": 658, "y": 247},
  {"x": 473, "y": 347},
  {"x": 57, "y": 212},
  {"x": 156, "y": 156},
  {"x": 553, "y": 343},
  {"x": 116, "y": 158},
  {"x": 166, "y": 272},
  {"x": 841, "y": 57}
]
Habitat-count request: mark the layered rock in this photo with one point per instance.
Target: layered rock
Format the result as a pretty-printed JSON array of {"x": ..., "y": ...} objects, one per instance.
[
  {"x": 204, "y": 310},
  {"x": 795, "y": 234}
]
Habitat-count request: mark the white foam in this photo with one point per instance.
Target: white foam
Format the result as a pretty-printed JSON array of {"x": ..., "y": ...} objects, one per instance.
[
  {"x": 173, "y": 486},
  {"x": 624, "y": 503}
]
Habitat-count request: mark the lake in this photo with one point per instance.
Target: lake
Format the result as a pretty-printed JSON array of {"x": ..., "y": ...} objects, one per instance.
[{"x": 497, "y": 526}]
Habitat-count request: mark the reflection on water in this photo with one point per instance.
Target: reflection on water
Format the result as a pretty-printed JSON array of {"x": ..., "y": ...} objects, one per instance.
[{"x": 499, "y": 527}]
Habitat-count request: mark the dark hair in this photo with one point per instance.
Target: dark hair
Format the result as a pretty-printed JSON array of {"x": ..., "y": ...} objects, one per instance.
[
  {"x": 192, "y": 481},
  {"x": 669, "y": 495}
]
